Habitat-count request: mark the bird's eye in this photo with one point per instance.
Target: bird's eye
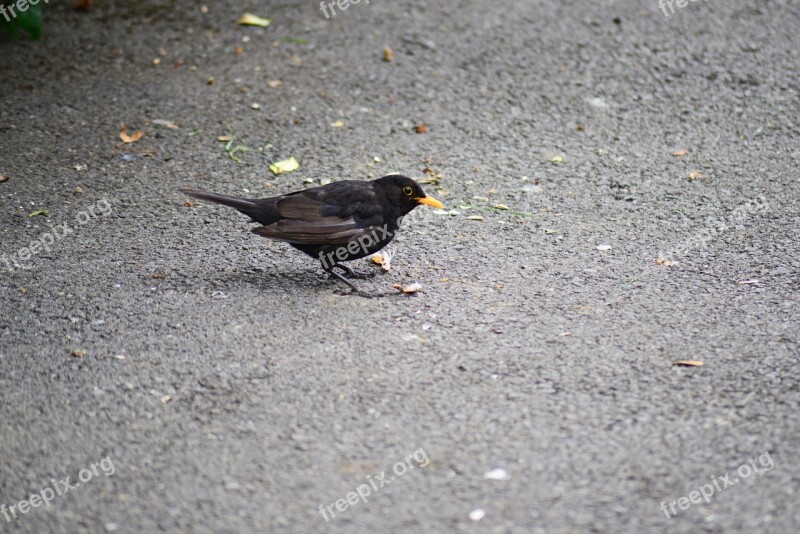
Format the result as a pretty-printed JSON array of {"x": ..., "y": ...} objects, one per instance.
[{"x": 407, "y": 191}]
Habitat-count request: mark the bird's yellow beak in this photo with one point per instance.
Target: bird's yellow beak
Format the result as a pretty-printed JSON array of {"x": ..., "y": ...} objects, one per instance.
[{"x": 430, "y": 201}]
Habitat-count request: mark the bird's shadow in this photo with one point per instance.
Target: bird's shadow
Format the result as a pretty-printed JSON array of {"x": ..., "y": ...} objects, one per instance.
[{"x": 276, "y": 280}]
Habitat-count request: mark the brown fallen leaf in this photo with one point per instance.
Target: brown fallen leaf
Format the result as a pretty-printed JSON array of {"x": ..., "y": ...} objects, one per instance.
[
  {"x": 688, "y": 363},
  {"x": 410, "y": 288},
  {"x": 238, "y": 50},
  {"x": 123, "y": 134},
  {"x": 158, "y": 276},
  {"x": 188, "y": 204},
  {"x": 665, "y": 262},
  {"x": 679, "y": 153},
  {"x": 388, "y": 54},
  {"x": 421, "y": 128}
]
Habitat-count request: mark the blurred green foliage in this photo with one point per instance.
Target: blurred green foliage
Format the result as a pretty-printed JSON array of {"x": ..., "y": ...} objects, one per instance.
[{"x": 29, "y": 19}]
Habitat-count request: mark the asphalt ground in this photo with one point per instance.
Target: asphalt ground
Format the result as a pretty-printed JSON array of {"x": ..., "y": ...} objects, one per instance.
[{"x": 637, "y": 179}]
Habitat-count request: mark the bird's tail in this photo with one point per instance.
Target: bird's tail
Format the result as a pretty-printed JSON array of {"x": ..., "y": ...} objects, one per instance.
[{"x": 244, "y": 205}]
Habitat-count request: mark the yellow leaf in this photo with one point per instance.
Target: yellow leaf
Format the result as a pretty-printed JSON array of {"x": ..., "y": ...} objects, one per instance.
[
  {"x": 287, "y": 165},
  {"x": 249, "y": 19},
  {"x": 688, "y": 363},
  {"x": 337, "y": 124},
  {"x": 123, "y": 134}
]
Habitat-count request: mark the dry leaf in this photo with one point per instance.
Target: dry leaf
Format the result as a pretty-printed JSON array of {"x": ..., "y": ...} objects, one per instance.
[
  {"x": 421, "y": 128},
  {"x": 78, "y": 353},
  {"x": 679, "y": 153},
  {"x": 238, "y": 50},
  {"x": 225, "y": 138},
  {"x": 188, "y": 204},
  {"x": 409, "y": 289},
  {"x": 274, "y": 83},
  {"x": 337, "y": 124},
  {"x": 287, "y": 165},
  {"x": 475, "y": 218},
  {"x": 248, "y": 19},
  {"x": 166, "y": 124},
  {"x": 696, "y": 175},
  {"x": 665, "y": 262},
  {"x": 123, "y": 134},
  {"x": 388, "y": 55},
  {"x": 384, "y": 260},
  {"x": 166, "y": 398},
  {"x": 688, "y": 363}
]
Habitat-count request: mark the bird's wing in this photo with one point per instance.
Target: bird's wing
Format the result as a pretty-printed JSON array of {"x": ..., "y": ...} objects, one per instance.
[{"x": 329, "y": 216}]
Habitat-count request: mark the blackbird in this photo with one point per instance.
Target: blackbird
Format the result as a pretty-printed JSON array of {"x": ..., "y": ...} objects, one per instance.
[{"x": 338, "y": 222}]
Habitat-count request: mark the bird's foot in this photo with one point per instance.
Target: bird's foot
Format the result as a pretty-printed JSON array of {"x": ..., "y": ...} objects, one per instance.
[{"x": 354, "y": 290}]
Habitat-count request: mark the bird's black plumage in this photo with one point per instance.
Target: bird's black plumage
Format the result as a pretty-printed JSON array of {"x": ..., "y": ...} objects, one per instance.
[{"x": 338, "y": 222}]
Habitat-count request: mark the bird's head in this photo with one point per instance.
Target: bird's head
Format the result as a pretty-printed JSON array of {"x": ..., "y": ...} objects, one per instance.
[{"x": 404, "y": 192}]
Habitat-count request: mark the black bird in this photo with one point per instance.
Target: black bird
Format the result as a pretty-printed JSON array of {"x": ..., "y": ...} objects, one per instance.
[{"x": 338, "y": 222}]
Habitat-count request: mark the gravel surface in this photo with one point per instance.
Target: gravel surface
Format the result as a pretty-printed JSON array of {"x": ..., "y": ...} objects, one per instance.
[{"x": 637, "y": 179}]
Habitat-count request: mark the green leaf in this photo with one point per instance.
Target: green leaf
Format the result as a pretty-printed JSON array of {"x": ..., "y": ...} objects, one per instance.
[{"x": 29, "y": 20}]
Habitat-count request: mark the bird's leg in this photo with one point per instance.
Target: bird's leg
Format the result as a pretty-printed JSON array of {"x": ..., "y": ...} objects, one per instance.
[
  {"x": 330, "y": 271},
  {"x": 352, "y": 273},
  {"x": 355, "y": 290}
]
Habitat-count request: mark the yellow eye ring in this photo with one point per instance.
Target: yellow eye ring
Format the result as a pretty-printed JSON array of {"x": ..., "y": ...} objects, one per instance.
[{"x": 407, "y": 191}]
